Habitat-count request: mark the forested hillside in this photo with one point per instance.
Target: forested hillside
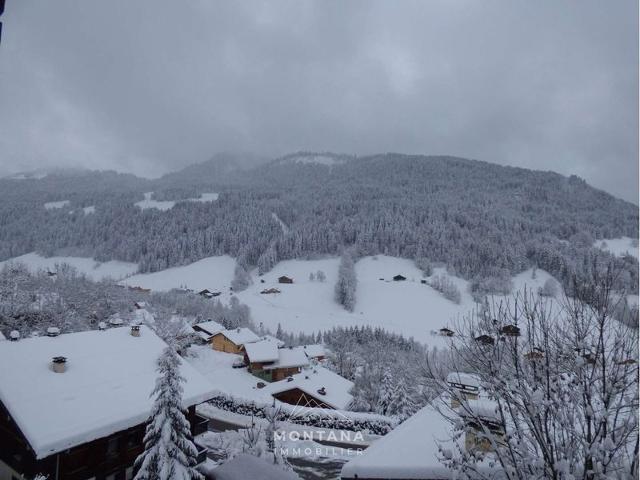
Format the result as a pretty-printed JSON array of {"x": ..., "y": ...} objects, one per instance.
[{"x": 484, "y": 221}]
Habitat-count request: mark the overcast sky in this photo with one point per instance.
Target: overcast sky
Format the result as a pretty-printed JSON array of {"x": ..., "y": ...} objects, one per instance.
[{"x": 149, "y": 86}]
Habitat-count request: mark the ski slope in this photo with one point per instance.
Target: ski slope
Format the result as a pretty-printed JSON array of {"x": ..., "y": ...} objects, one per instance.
[{"x": 113, "y": 269}]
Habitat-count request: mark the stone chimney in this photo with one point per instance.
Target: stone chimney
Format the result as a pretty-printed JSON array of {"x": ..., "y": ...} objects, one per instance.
[
  {"x": 135, "y": 330},
  {"x": 59, "y": 364}
]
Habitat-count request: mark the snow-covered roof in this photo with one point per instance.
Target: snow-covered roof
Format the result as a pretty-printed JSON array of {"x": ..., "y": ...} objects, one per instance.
[
  {"x": 105, "y": 388},
  {"x": 262, "y": 351},
  {"x": 310, "y": 380},
  {"x": 209, "y": 327},
  {"x": 240, "y": 336},
  {"x": 279, "y": 343},
  {"x": 289, "y": 357},
  {"x": 461, "y": 378},
  {"x": 314, "y": 351},
  {"x": 410, "y": 451},
  {"x": 244, "y": 467}
]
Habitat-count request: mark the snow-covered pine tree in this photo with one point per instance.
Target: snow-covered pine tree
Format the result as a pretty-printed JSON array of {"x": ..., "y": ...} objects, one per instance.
[
  {"x": 345, "y": 290},
  {"x": 169, "y": 453}
]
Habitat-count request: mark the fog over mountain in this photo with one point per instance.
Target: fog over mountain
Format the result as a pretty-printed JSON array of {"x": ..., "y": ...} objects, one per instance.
[{"x": 151, "y": 86}]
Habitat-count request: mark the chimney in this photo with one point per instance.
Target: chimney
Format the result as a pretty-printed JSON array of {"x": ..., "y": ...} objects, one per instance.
[
  {"x": 53, "y": 332},
  {"x": 322, "y": 391},
  {"x": 135, "y": 330},
  {"x": 59, "y": 364},
  {"x": 14, "y": 336}
]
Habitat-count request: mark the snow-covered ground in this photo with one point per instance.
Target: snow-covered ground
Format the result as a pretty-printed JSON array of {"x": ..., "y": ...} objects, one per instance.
[
  {"x": 407, "y": 307},
  {"x": 113, "y": 269},
  {"x": 619, "y": 246},
  {"x": 53, "y": 205},
  {"x": 213, "y": 273},
  {"x": 148, "y": 203},
  {"x": 168, "y": 204},
  {"x": 88, "y": 210}
]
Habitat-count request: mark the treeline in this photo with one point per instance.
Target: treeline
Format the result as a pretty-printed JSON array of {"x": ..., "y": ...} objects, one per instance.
[{"x": 485, "y": 222}]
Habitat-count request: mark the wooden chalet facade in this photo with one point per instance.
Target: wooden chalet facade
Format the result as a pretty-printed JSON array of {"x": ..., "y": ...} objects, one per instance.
[
  {"x": 296, "y": 396},
  {"x": 108, "y": 458},
  {"x": 88, "y": 419},
  {"x": 285, "y": 279},
  {"x": 233, "y": 341}
]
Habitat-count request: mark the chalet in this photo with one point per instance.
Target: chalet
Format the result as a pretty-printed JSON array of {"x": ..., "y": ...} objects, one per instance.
[
  {"x": 399, "y": 278},
  {"x": 485, "y": 340},
  {"x": 233, "y": 341},
  {"x": 465, "y": 385},
  {"x": 206, "y": 330},
  {"x": 285, "y": 279},
  {"x": 206, "y": 293},
  {"x": 279, "y": 343},
  {"x": 268, "y": 362},
  {"x": 140, "y": 305},
  {"x": 413, "y": 450},
  {"x": 446, "y": 332},
  {"x": 510, "y": 331},
  {"x": 480, "y": 415},
  {"x": 140, "y": 289},
  {"x": 314, "y": 352},
  {"x": 315, "y": 387},
  {"x": 270, "y": 291},
  {"x": 89, "y": 416},
  {"x": 535, "y": 354}
]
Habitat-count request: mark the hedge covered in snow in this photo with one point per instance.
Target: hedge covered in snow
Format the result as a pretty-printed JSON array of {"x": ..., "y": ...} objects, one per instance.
[{"x": 316, "y": 417}]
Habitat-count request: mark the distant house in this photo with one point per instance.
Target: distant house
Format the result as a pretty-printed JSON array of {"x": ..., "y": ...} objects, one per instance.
[
  {"x": 270, "y": 291},
  {"x": 485, "y": 339},
  {"x": 315, "y": 387},
  {"x": 466, "y": 385},
  {"x": 510, "y": 331},
  {"x": 446, "y": 332},
  {"x": 233, "y": 341},
  {"x": 140, "y": 305},
  {"x": 268, "y": 362},
  {"x": 285, "y": 279},
  {"x": 79, "y": 426},
  {"x": 140, "y": 289},
  {"x": 399, "y": 278},
  {"x": 206, "y": 293}
]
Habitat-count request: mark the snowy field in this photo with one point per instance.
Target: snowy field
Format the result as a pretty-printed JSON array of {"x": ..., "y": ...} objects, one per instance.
[
  {"x": 618, "y": 246},
  {"x": 214, "y": 273},
  {"x": 407, "y": 307},
  {"x": 113, "y": 269},
  {"x": 168, "y": 204}
]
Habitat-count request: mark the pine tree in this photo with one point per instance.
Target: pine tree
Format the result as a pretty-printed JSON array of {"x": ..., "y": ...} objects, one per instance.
[{"x": 169, "y": 453}]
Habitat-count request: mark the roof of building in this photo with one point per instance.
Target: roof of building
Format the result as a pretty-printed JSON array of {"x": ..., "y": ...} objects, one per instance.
[
  {"x": 271, "y": 338},
  {"x": 240, "y": 336},
  {"x": 109, "y": 377},
  {"x": 314, "y": 351},
  {"x": 311, "y": 380},
  {"x": 410, "y": 451},
  {"x": 289, "y": 357},
  {"x": 209, "y": 327},
  {"x": 262, "y": 351},
  {"x": 244, "y": 466},
  {"x": 464, "y": 379}
]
